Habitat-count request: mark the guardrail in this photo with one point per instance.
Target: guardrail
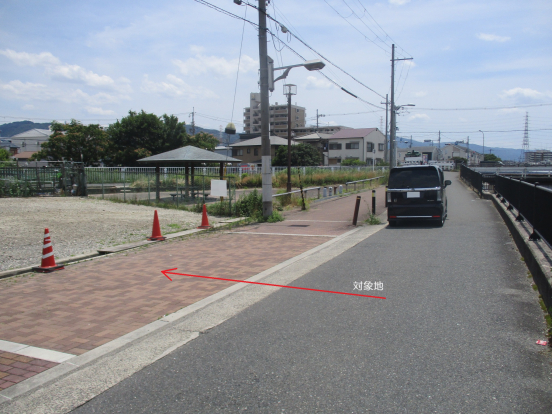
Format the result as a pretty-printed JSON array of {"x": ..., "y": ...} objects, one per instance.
[
  {"x": 532, "y": 202},
  {"x": 298, "y": 191},
  {"x": 360, "y": 181}
]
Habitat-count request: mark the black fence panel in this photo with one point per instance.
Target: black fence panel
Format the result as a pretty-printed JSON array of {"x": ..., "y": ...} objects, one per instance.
[
  {"x": 533, "y": 202},
  {"x": 474, "y": 178}
]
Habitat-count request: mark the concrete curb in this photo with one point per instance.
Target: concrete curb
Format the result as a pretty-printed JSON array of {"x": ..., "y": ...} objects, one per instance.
[{"x": 156, "y": 328}]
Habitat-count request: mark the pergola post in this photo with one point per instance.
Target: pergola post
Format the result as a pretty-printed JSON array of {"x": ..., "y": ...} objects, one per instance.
[
  {"x": 221, "y": 170},
  {"x": 193, "y": 180}
]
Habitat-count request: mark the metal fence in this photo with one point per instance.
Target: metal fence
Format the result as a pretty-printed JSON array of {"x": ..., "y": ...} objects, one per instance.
[
  {"x": 97, "y": 175},
  {"x": 532, "y": 202},
  {"x": 56, "y": 180},
  {"x": 473, "y": 178}
]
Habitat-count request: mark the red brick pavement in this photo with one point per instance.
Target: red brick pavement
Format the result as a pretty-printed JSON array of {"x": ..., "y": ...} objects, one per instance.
[
  {"x": 91, "y": 303},
  {"x": 16, "y": 368},
  {"x": 94, "y": 302}
]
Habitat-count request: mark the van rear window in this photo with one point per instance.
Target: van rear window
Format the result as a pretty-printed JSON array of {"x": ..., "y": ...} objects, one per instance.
[{"x": 414, "y": 178}]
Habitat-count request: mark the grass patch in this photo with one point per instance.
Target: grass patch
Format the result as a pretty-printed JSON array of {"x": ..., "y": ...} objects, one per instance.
[{"x": 372, "y": 220}]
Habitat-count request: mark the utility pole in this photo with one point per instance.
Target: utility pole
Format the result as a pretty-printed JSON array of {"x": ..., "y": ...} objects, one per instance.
[
  {"x": 318, "y": 116},
  {"x": 193, "y": 120},
  {"x": 392, "y": 160},
  {"x": 392, "y": 146},
  {"x": 468, "y": 152},
  {"x": 265, "y": 134},
  {"x": 290, "y": 90},
  {"x": 385, "y": 153}
]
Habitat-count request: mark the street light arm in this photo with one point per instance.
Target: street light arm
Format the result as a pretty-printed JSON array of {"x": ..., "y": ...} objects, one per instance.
[{"x": 284, "y": 75}]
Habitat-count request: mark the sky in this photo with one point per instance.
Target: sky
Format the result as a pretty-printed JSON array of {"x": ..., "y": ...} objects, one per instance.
[{"x": 95, "y": 61}]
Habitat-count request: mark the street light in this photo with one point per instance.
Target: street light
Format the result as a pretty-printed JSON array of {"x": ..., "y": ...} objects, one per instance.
[
  {"x": 392, "y": 144},
  {"x": 310, "y": 65},
  {"x": 483, "y": 144},
  {"x": 267, "y": 84}
]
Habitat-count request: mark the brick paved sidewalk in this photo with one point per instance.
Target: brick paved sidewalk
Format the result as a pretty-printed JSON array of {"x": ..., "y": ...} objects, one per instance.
[
  {"x": 91, "y": 303},
  {"x": 16, "y": 368}
]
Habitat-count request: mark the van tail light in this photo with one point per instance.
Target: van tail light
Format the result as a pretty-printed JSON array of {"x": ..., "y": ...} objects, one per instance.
[
  {"x": 388, "y": 197},
  {"x": 439, "y": 196}
]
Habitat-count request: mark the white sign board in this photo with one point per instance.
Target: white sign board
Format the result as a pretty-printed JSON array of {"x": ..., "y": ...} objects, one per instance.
[{"x": 218, "y": 188}]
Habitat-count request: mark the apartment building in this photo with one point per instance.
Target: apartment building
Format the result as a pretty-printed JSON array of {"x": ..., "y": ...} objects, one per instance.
[
  {"x": 364, "y": 144},
  {"x": 278, "y": 117},
  {"x": 541, "y": 156}
]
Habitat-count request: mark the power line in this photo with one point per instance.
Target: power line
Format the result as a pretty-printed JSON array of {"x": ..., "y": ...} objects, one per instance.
[
  {"x": 480, "y": 108},
  {"x": 472, "y": 132},
  {"x": 313, "y": 50}
]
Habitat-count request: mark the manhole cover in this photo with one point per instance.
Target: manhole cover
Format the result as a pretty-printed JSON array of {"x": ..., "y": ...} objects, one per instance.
[{"x": 299, "y": 225}]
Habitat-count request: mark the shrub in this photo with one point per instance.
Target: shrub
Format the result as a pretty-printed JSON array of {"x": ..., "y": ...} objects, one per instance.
[{"x": 250, "y": 204}]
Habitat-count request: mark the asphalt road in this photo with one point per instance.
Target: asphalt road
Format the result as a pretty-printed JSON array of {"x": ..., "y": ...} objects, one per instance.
[{"x": 456, "y": 333}]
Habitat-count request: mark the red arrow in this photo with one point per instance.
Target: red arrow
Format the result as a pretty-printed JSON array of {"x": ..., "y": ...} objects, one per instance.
[{"x": 170, "y": 272}]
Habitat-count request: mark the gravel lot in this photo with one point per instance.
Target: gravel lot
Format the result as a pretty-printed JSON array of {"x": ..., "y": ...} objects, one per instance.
[{"x": 77, "y": 226}]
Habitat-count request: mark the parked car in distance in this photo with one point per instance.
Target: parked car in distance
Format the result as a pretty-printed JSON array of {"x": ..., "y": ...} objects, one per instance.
[{"x": 417, "y": 192}]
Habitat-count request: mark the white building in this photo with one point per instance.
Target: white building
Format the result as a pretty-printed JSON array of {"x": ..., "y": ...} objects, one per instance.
[
  {"x": 450, "y": 151},
  {"x": 539, "y": 156},
  {"x": 31, "y": 140},
  {"x": 364, "y": 144}
]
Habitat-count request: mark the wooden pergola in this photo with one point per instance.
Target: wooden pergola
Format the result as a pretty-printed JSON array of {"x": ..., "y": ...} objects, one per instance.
[{"x": 189, "y": 156}]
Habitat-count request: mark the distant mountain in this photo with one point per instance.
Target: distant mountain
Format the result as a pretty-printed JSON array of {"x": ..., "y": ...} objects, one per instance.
[
  {"x": 506, "y": 154},
  {"x": 14, "y": 128}
]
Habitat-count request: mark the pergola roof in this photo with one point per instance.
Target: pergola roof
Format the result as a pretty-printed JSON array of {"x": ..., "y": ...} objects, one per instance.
[{"x": 187, "y": 154}]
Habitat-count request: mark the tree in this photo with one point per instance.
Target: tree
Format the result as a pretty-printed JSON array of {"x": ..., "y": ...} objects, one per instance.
[
  {"x": 352, "y": 161},
  {"x": 4, "y": 155},
  {"x": 302, "y": 155},
  {"x": 141, "y": 135},
  {"x": 74, "y": 141},
  {"x": 202, "y": 140},
  {"x": 492, "y": 157}
]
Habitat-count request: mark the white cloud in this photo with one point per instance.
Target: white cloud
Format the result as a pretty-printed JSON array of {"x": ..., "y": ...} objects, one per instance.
[
  {"x": 30, "y": 59},
  {"x": 398, "y": 2},
  {"x": 62, "y": 71},
  {"x": 420, "y": 94},
  {"x": 28, "y": 107},
  {"x": 175, "y": 87},
  {"x": 197, "y": 49},
  {"x": 316, "y": 83},
  {"x": 201, "y": 64},
  {"x": 28, "y": 91},
  {"x": 423, "y": 117},
  {"x": 492, "y": 38},
  {"x": 99, "y": 111},
  {"x": 522, "y": 93}
]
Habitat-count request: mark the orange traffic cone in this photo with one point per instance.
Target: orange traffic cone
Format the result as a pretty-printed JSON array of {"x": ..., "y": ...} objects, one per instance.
[
  {"x": 204, "y": 219},
  {"x": 156, "y": 232},
  {"x": 48, "y": 263}
]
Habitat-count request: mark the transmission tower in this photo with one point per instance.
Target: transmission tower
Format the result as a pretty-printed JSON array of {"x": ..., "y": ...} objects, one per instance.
[{"x": 525, "y": 145}]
